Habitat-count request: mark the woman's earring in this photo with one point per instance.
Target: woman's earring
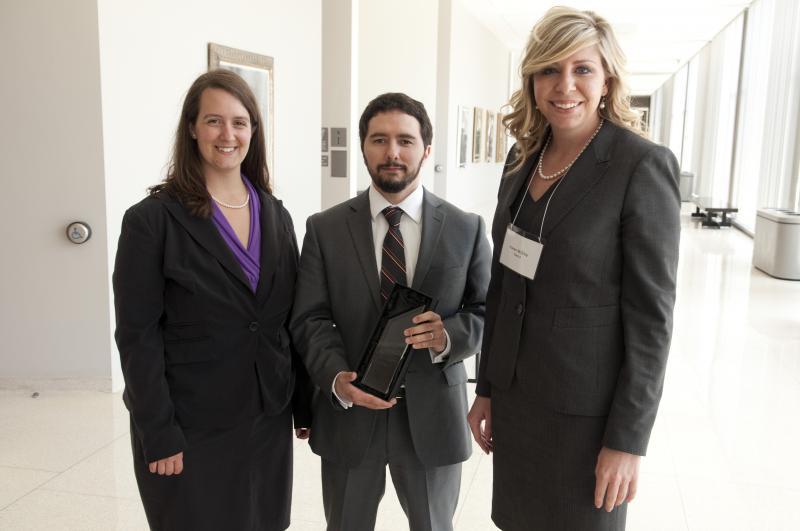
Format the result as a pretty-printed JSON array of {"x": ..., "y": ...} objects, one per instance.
[{"x": 602, "y": 102}]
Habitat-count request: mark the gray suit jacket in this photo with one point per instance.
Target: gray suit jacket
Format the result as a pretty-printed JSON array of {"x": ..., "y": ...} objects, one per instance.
[
  {"x": 337, "y": 305},
  {"x": 599, "y": 314}
]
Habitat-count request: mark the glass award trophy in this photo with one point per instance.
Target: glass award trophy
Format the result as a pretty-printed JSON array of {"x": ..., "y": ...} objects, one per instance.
[{"x": 384, "y": 363}]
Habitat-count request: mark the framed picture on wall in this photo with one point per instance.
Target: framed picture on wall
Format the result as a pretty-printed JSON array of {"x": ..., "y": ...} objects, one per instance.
[
  {"x": 478, "y": 132},
  {"x": 464, "y": 141},
  {"x": 491, "y": 135},
  {"x": 257, "y": 71},
  {"x": 502, "y": 139}
]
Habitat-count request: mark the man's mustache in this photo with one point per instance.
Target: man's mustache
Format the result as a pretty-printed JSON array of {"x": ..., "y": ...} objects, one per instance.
[{"x": 391, "y": 167}]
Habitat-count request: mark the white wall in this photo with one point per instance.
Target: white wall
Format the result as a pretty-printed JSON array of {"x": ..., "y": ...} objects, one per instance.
[
  {"x": 397, "y": 53},
  {"x": 718, "y": 69},
  {"x": 74, "y": 154},
  {"x": 662, "y": 113},
  {"x": 340, "y": 94},
  {"x": 478, "y": 77},
  {"x": 674, "y": 140},
  {"x": 151, "y": 52},
  {"x": 781, "y": 139},
  {"x": 54, "y": 320},
  {"x": 688, "y": 159},
  {"x": 445, "y": 59},
  {"x": 94, "y": 100}
]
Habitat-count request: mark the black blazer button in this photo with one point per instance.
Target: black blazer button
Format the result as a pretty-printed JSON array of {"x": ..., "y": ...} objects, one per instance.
[
  {"x": 253, "y": 326},
  {"x": 520, "y": 309}
]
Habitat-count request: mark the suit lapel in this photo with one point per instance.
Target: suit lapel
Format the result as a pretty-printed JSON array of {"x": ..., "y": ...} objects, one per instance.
[
  {"x": 581, "y": 178},
  {"x": 432, "y": 223},
  {"x": 207, "y": 236},
  {"x": 272, "y": 244},
  {"x": 359, "y": 222},
  {"x": 516, "y": 181}
]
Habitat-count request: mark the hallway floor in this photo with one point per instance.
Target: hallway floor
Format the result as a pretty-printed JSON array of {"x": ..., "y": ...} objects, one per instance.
[{"x": 723, "y": 456}]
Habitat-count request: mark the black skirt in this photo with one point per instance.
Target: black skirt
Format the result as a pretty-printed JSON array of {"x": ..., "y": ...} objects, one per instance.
[
  {"x": 236, "y": 478},
  {"x": 544, "y": 465}
]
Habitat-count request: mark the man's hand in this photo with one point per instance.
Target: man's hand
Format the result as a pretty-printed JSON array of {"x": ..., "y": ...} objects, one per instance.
[
  {"x": 347, "y": 391},
  {"x": 429, "y": 332},
  {"x": 167, "y": 466},
  {"x": 617, "y": 476},
  {"x": 480, "y": 422}
]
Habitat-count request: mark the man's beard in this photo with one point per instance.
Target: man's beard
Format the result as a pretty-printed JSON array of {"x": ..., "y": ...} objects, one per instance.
[{"x": 393, "y": 186}]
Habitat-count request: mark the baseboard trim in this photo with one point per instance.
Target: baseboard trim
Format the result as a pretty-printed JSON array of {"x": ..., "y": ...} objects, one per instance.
[{"x": 56, "y": 384}]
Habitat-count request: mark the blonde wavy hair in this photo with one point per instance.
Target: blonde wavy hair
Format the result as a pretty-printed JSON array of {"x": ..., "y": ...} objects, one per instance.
[{"x": 561, "y": 32}]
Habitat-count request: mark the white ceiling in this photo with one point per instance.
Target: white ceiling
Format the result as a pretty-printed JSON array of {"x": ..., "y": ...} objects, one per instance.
[{"x": 658, "y": 36}]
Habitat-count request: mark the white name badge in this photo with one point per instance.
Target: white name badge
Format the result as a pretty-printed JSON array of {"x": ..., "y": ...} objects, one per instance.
[{"x": 520, "y": 254}]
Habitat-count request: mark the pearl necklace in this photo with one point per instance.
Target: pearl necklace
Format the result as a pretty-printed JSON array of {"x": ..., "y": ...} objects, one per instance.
[
  {"x": 226, "y": 205},
  {"x": 568, "y": 166}
]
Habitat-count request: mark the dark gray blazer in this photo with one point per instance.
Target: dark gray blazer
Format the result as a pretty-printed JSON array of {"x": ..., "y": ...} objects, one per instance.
[
  {"x": 337, "y": 305},
  {"x": 600, "y": 309}
]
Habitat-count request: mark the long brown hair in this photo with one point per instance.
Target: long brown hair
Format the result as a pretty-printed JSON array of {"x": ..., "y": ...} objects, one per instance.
[
  {"x": 185, "y": 179},
  {"x": 561, "y": 32}
]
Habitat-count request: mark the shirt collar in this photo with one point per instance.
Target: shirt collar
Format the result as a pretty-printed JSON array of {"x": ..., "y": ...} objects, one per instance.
[{"x": 411, "y": 205}]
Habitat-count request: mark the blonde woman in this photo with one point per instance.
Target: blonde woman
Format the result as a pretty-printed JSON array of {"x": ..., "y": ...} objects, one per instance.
[{"x": 579, "y": 309}]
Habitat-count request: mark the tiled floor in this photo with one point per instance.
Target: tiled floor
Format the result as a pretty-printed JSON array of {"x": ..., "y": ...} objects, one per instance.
[{"x": 724, "y": 453}]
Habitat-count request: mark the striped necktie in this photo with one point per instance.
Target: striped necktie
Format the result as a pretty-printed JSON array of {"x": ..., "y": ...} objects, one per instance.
[{"x": 393, "y": 256}]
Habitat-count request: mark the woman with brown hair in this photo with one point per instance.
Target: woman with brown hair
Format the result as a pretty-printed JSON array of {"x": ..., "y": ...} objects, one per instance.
[
  {"x": 579, "y": 308},
  {"x": 203, "y": 286}
]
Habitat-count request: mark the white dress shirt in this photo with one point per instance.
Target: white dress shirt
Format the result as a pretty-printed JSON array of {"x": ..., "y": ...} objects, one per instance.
[{"x": 411, "y": 230}]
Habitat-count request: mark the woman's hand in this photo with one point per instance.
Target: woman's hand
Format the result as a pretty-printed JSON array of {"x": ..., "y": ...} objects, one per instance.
[
  {"x": 167, "y": 466},
  {"x": 302, "y": 433},
  {"x": 480, "y": 422},
  {"x": 617, "y": 476}
]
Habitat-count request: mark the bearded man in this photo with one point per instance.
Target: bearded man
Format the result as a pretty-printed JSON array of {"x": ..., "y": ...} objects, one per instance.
[{"x": 353, "y": 253}]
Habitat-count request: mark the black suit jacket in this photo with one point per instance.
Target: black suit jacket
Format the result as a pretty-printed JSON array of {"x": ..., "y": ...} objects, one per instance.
[
  {"x": 599, "y": 314},
  {"x": 198, "y": 347}
]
